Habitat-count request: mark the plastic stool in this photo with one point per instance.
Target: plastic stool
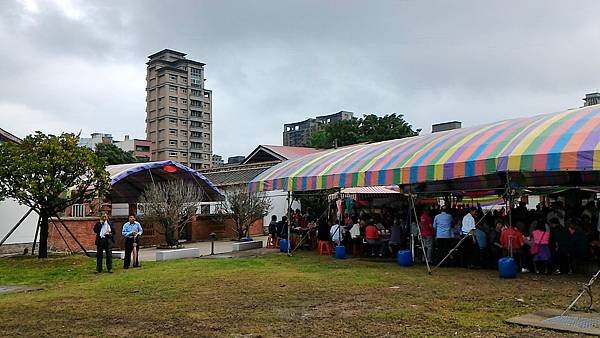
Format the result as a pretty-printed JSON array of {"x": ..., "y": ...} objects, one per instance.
[{"x": 325, "y": 248}]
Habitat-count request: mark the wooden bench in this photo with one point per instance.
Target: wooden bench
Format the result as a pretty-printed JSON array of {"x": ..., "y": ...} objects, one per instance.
[
  {"x": 241, "y": 246},
  {"x": 177, "y": 253}
]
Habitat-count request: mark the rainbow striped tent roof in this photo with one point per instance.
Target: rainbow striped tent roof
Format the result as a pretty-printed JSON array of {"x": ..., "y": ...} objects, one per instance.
[{"x": 549, "y": 143}]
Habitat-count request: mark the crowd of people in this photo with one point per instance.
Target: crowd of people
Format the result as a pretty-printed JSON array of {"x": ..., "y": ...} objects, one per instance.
[{"x": 548, "y": 239}]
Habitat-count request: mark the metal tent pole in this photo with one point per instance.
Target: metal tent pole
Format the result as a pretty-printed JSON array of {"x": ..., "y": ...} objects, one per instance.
[
  {"x": 414, "y": 208},
  {"x": 70, "y": 233},
  {"x": 289, "y": 223},
  {"x": 16, "y": 226}
]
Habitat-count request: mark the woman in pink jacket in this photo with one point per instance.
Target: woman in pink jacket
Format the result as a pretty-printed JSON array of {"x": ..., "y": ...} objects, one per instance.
[{"x": 540, "y": 248}]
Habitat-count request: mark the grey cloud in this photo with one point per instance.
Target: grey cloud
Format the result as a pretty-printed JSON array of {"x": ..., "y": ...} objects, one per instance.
[{"x": 270, "y": 62}]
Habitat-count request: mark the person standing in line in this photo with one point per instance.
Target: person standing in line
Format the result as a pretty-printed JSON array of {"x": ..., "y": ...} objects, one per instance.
[
  {"x": 468, "y": 228},
  {"x": 426, "y": 225},
  {"x": 131, "y": 231},
  {"x": 444, "y": 233},
  {"x": 273, "y": 230},
  {"x": 355, "y": 236},
  {"x": 104, "y": 231}
]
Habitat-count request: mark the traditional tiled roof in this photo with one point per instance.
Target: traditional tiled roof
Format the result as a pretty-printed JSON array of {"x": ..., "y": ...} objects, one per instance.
[
  {"x": 236, "y": 174},
  {"x": 264, "y": 153},
  {"x": 8, "y": 137}
]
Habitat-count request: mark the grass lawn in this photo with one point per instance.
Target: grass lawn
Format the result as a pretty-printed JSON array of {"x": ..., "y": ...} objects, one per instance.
[{"x": 271, "y": 295}]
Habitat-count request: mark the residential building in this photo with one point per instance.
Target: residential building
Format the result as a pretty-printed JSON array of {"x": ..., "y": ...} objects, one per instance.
[
  {"x": 178, "y": 110},
  {"x": 591, "y": 99},
  {"x": 298, "y": 134},
  {"x": 95, "y": 138},
  {"x": 217, "y": 161},
  {"x": 445, "y": 126},
  {"x": 139, "y": 148}
]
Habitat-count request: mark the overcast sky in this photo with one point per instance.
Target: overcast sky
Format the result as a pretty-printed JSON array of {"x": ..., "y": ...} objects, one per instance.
[{"x": 76, "y": 65}]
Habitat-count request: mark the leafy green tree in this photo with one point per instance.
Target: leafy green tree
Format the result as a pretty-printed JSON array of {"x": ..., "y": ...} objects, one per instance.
[
  {"x": 49, "y": 174},
  {"x": 369, "y": 128},
  {"x": 113, "y": 154}
]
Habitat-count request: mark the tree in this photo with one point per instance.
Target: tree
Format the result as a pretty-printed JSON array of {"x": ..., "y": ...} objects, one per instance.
[
  {"x": 172, "y": 205},
  {"x": 50, "y": 173},
  {"x": 113, "y": 154},
  {"x": 369, "y": 128},
  {"x": 244, "y": 208}
]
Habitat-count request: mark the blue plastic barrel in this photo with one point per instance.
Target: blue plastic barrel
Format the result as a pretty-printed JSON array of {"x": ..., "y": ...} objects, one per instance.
[
  {"x": 405, "y": 258},
  {"x": 340, "y": 252},
  {"x": 507, "y": 268},
  {"x": 283, "y": 245}
]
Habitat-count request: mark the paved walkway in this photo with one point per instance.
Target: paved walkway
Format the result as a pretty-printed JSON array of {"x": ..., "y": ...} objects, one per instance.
[{"x": 149, "y": 254}]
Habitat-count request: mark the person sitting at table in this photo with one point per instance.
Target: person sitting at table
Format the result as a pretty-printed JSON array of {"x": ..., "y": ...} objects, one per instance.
[
  {"x": 323, "y": 231},
  {"x": 372, "y": 237},
  {"x": 355, "y": 237}
]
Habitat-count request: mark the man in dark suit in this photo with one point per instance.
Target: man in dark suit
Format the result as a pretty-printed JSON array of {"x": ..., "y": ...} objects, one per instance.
[{"x": 105, "y": 239}]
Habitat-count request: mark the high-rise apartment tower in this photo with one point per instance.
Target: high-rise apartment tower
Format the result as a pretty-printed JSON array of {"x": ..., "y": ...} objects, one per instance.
[{"x": 178, "y": 110}]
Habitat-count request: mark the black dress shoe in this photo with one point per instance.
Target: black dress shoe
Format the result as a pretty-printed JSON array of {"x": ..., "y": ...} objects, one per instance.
[{"x": 110, "y": 271}]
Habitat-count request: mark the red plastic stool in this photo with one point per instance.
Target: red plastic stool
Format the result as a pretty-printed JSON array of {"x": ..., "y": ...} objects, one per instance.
[{"x": 325, "y": 248}]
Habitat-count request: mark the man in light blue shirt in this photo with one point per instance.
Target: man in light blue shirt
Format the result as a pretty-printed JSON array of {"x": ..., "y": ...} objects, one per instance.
[
  {"x": 132, "y": 230},
  {"x": 444, "y": 233},
  {"x": 335, "y": 233}
]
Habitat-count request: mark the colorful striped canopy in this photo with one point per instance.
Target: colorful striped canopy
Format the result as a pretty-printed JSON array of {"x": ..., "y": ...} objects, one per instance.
[{"x": 557, "y": 142}]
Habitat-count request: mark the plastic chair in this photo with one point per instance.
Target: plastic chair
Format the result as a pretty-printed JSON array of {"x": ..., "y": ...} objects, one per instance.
[
  {"x": 325, "y": 248},
  {"x": 271, "y": 243}
]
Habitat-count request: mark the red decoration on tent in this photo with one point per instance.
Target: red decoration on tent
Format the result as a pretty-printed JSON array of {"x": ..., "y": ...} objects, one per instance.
[{"x": 170, "y": 168}]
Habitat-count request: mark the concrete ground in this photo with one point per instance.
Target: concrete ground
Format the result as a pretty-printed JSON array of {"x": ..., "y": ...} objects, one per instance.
[{"x": 221, "y": 247}]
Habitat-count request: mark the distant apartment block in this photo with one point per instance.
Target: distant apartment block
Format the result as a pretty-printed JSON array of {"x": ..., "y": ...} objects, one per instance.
[
  {"x": 139, "y": 148},
  {"x": 298, "y": 134},
  {"x": 591, "y": 99},
  {"x": 95, "y": 138},
  {"x": 235, "y": 159},
  {"x": 178, "y": 110},
  {"x": 217, "y": 161}
]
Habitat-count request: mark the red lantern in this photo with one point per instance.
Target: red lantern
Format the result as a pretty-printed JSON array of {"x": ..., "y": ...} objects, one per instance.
[{"x": 170, "y": 168}]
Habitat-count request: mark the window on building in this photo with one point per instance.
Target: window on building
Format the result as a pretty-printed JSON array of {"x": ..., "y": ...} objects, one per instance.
[
  {"x": 195, "y": 71},
  {"x": 173, "y": 99},
  {"x": 195, "y": 155},
  {"x": 173, "y": 143},
  {"x": 196, "y": 103},
  {"x": 206, "y": 166},
  {"x": 196, "y": 82},
  {"x": 206, "y": 135},
  {"x": 184, "y": 154},
  {"x": 183, "y": 90},
  {"x": 184, "y": 132},
  {"x": 184, "y": 112},
  {"x": 196, "y": 145},
  {"x": 196, "y": 113},
  {"x": 207, "y": 116},
  {"x": 173, "y": 89},
  {"x": 184, "y": 122},
  {"x": 184, "y": 79},
  {"x": 172, "y": 77},
  {"x": 172, "y": 154},
  {"x": 173, "y": 131},
  {"x": 173, "y": 110},
  {"x": 173, "y": 121},
  {"x": 207, "y": 95},
  {"x": 183, "y": 101},
  {"x": 196, "y": 92},
  {"x": 207, "y": 105},
  {"x": 196, "y": 124},
  {"x": 78, "y": 210},
  {"x": 184, "y": 143},
  {"x": 195, "y": 134}
]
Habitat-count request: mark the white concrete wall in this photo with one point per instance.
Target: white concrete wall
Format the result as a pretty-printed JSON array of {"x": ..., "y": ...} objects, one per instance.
[
  {"x": 279, "y": 205},
  {"x": 10, "y": 213}
]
